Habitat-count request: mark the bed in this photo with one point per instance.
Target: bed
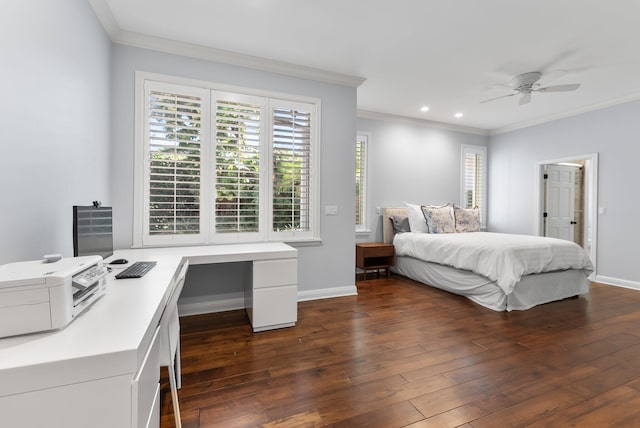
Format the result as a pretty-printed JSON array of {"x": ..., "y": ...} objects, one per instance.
[{"x": 540, "y": 270}]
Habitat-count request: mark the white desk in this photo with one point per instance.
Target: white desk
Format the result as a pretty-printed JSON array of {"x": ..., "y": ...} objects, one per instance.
[
  {"x": 102, "y": 370},
  {"x": 271, "y": 291}
]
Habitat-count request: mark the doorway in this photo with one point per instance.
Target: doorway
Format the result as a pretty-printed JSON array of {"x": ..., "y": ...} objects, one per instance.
[{"x": 566, "y": 203}]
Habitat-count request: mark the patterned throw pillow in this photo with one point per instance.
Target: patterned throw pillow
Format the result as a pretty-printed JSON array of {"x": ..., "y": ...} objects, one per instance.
[
  {"x": 439, "y": 219},
  {"x": 467, "y": 219}
]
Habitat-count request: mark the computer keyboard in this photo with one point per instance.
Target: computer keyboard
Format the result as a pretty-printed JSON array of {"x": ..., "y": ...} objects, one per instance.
[{"x": 136, "y": 270}]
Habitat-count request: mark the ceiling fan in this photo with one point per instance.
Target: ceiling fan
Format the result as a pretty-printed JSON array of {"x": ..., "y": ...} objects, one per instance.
[{"x": 526, "y": 83}]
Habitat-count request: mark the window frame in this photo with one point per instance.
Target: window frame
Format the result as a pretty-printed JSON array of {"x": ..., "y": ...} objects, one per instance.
[
  {"x": 207, "y": 233},
  {"x": 363, "y": 227},
  {"x": 481, "y": 150}
]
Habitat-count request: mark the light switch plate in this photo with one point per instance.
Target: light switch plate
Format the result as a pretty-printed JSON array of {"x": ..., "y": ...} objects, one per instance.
[{"x": 331, "y": 210}]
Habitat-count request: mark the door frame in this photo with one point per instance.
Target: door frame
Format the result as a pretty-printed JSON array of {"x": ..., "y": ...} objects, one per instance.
[{"x": 591, "y": 193}]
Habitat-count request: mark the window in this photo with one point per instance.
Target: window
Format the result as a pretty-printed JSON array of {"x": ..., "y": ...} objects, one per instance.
[
  {"x": 216, "y": 166},
  {"x": 362, "y": 143},
  {"x": 474, "y": 178}
]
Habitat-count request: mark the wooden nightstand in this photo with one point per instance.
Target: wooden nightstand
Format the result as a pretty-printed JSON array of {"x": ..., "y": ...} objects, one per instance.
[{"x": 374, "y": 256}]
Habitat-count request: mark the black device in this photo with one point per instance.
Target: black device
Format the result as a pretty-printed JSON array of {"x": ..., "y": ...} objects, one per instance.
[
  {"x": 92, "y": 231},
  {"x": 119, "y": 262},
  {"x": 136, "y": 270}
]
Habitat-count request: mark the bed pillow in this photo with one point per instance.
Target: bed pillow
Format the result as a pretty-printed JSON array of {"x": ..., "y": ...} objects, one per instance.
[
  {"x": 400, "y": 224},
  {"x": 417, "y": 221},
  {"x": 439, "y": 219},
  {"x": 467, "y": 219}
]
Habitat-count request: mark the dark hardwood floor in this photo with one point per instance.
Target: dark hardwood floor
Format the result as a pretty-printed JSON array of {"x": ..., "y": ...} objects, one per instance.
[{"x": 403, "y": 354}]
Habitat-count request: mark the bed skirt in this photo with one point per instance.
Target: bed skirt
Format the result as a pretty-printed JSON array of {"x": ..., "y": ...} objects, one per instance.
[{"x": 532, "y": 290}]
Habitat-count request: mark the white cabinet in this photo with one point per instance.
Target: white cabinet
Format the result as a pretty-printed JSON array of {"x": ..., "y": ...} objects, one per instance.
[
  {"x": 99, "y": 403},
  {"x": 128, "y": 400},
  {"x": 271, "y": 294}
]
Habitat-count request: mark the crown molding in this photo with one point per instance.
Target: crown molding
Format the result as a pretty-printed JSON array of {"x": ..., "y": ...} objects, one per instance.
[
  {"x": 566, "y": 114},
  {"x": 367, "y": 114},
  {"x": 129, "y": 38}
]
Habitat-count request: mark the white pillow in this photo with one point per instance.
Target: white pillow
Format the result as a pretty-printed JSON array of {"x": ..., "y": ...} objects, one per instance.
[{"x": 417, "y": 223}]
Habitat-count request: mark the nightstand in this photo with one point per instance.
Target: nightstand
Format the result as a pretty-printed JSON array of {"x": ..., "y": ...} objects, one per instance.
[{"x": 374, "y": 256}]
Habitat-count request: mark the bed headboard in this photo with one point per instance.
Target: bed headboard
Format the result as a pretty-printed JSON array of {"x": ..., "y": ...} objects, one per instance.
[{"x": 387, "y": 228}]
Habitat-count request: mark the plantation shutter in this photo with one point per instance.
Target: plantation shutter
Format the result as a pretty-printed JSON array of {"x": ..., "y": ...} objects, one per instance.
[
  {"x": 215, "y": 166},
  {"x": 238, "y": 157},
  {"x": 291, "y": 163},
  {"x": 472, "y": 180},
  {"x": 173, "y": 156},
  {"x": 474, "y": 174},
  {"x": 361, "y": 174}
]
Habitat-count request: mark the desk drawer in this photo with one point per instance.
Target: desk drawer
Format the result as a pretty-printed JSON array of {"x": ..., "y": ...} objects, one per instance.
[
  {"x": 274, "y": 307},
  {"x": 154, "y": 416},
  {"x": 145, "y": 385},
  {"x": 270, "y": 273}
]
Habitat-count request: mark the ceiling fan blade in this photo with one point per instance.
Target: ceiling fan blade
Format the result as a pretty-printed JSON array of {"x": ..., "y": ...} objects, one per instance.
[
  {"x": 551, "y": 76},
  {"x": 497, "y": 98},
  {"x": 525, "y": 99},
  {"x": 559, "y": 88}
]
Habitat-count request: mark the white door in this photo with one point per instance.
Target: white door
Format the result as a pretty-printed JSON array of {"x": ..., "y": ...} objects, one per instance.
[{"x": 560, "y": 203}]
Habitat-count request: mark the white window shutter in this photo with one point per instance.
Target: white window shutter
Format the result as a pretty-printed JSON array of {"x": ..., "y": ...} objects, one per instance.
[
  {"x": 474, "y": 173},
  {"x": 238, "y": 167},
  {"x": 361, "y": 180},
  {"x": 292, "y": 167},
  {"x": 173, "y": 161}
]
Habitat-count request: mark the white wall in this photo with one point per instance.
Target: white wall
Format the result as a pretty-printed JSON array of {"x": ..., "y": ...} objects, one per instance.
[
  {"x": 55, "y": 124},
  {"x": 613, "y": 133},
  {"x": 321, "y": 267},
  {"x": 411, "y": 162}
]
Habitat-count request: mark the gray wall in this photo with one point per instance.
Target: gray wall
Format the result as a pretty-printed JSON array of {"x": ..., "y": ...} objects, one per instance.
[
  {"x": 411, "y": 162},
  {"x": 54, "y": 125},
  {"x": 321, "y": 266},
  {"x": 613, "y": 133}
]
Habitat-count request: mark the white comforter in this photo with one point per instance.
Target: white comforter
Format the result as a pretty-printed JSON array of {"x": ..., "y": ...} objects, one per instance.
[{"x": 501, "y": 257}]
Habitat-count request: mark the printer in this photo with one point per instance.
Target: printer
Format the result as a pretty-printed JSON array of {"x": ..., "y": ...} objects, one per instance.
[{"x": 38, "y": 296}]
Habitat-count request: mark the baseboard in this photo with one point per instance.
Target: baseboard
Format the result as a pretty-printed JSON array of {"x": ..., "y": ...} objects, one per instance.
[
  {"x": 327, "y": 293},
  {"x": 229, "y": 302},
  {"x": 634, "y": 285}
]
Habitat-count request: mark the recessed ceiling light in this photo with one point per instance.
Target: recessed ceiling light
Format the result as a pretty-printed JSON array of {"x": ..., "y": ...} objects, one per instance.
[
  {"x": 459, "y": 115},
  {"x": 424, "y": 109}
]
